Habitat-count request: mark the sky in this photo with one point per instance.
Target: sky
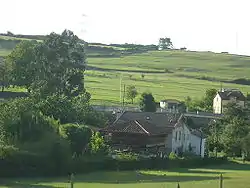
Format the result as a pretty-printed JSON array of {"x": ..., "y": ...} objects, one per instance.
[{"x": 205, "y": 25}]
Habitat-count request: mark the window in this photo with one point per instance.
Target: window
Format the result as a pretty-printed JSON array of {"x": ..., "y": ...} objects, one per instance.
[
  {"x": 184, "y": 137},
  {"x": 179, "y": 135},
  {"x": 176, "y": 136}
]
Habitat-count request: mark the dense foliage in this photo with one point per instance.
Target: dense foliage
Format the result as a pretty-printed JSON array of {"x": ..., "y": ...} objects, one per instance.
[
  {"x": 231, "y": 133},
  {"x": 147, "y": 103},
  {"x": 46, "y": 132},
  {"x": 53, "y": 66},
  {"x": 204, "y": 104}
]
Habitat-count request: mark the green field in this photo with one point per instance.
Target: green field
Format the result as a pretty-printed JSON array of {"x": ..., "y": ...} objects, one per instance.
[
  {"x": 167, "y": 74},
  {"x": 235, "y": 175},
  {"x": 175, "y": 74}
]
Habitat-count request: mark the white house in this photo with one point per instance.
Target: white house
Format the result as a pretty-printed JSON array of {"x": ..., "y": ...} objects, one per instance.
[
  {"x": 187, "y": 140},
  {"x": 224, "y": 97},
  {"x": 187, "y": 135},
  {"x": 170, "y": 105}
]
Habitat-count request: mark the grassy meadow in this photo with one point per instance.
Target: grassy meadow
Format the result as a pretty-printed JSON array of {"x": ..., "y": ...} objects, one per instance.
[
  {"x": 234, "y": 175},
  {"x": 167, "y": 74}
]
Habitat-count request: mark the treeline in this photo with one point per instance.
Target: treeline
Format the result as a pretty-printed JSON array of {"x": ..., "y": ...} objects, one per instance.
[{"x": 32, "y": 37}]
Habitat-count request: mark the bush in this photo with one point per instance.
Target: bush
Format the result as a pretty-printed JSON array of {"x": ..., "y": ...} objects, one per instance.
[
  {"x": 77, "y": 135},
  {"x": 172, "y": 156}
]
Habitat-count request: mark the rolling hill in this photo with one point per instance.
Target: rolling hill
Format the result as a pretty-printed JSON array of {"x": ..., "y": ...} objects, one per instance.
[{"x": 167, "y": 74}]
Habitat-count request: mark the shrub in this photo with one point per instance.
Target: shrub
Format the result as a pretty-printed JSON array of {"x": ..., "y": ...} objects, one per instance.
[
  {"x": 172, "y": 156},
  {"x": 77, "y": 135}
]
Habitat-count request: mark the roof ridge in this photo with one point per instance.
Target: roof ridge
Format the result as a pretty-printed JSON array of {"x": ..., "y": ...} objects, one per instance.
[{"x": 141, "y": 127}]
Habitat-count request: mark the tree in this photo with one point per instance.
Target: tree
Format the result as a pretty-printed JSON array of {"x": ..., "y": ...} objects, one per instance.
[
  {"x": 246, "y": 146},
  {"x": 97, "y": 144},
  {"x": 204, "y": 104},
  {"x": 53, "y": 66},
  {"x": 77, "y": 135},
  {"x": 21, "y": 59},
  {"x": 234, "y": 133},
  {"x": 131, "y": 93},
  {"x": 214, "y": 139},
  {"x": 147, "y": 102},
  {"x": 208, "y": 100},
  {"x": 22, "y": 121},
  {"x": 5, "y": 73},
  {"x": 165, "y": 43},
  {"x": 235, "y": 128},
  {"x": 248, "y": 97}
]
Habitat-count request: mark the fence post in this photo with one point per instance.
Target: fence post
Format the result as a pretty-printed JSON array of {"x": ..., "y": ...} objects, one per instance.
[
  {"x": 221, "y": 181},
  {"x": 178, "y": 185},
  {"x": 72, "y": 180}
]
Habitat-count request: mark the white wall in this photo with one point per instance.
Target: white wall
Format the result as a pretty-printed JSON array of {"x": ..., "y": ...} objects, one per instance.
[
  {"x": 182, "y": 139},
  {"x": 217, "y": 104},
  {"x": 185, "y": 141},
  {"x": 195, "y": 143},
  {"x": 163, "y": 104}
]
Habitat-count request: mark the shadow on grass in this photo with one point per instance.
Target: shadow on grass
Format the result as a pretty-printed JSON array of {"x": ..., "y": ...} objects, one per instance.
[
  {"x": 27, "y": 185},
  {"x": 232, "y": 165},
  {"x": 135, "y": 177}
]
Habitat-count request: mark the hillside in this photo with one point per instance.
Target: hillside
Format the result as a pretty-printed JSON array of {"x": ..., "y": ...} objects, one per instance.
[{"x": 167, "y": 74}]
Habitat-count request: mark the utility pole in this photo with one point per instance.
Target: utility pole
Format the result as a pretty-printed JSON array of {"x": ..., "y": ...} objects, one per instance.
[
  {"x": 124, "y": 88},
  {"x": 121, "y": 89}
]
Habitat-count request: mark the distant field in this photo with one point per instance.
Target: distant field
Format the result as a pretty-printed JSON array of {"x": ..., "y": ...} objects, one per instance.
[
  {"x": 188, "y": 74},
  {"x": 4, "y": 52},
  {"x": 167, "y": 74},
  {"x": 235, "y": 176}
]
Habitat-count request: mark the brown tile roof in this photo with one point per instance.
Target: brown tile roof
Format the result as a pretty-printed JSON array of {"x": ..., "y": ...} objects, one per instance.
[
  {"x": 138, "y": 127},
  {"x": 226, "y": 95},
  {"x": 158, "y": 118}
]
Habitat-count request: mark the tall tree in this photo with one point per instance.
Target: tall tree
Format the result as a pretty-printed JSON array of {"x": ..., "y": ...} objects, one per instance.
[
  {"x": 53, "y": 66},
  {"x": 234, "y": 133},
  {"x": 21, "y": 58},
  {"x": 147, "y": 102},
  {"x": 131, "y": 93},
  {"x": 165, "y": 43},
  {"x": 236, "y": 127}
]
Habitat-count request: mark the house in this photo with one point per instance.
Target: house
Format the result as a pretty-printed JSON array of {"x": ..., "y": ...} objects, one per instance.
[
  {"x": 170, "y": 105},
  {"x": 188, "y": 133},
  {"x": 160, "y": 132},
  {"x": 226, "y": 96},
  {"x": 142, "y": 131}
]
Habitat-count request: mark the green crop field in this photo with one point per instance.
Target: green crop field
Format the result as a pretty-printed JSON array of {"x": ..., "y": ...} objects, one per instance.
[
  {"x": 234, "y": 175},
  {"x": 167, "y": 74}
]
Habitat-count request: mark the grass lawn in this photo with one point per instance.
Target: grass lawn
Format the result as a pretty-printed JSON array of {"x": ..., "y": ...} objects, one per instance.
[{"x": 235, "y": 176}]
